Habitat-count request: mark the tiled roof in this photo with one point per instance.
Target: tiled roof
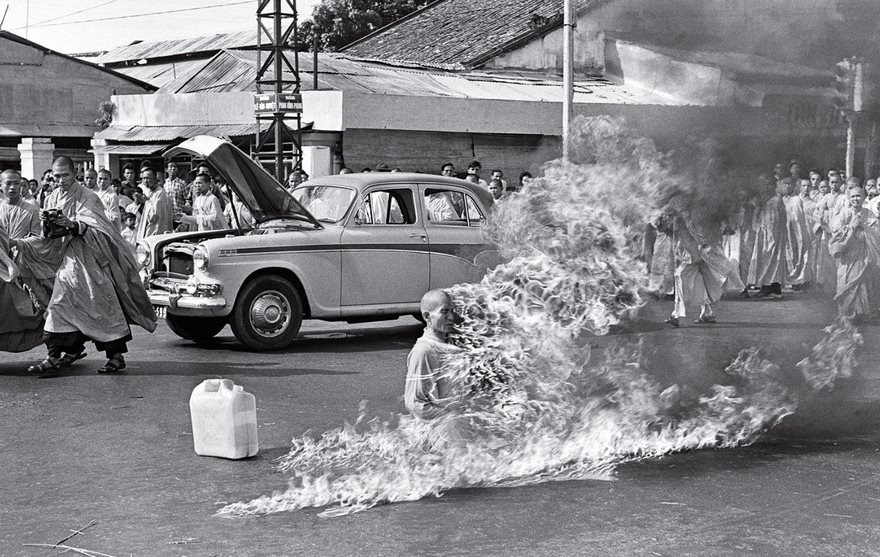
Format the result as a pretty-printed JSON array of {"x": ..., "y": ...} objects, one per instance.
[{"x": 463, "y": 33}]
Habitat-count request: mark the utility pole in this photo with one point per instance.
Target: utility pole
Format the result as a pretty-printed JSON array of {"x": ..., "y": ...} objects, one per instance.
[
  {"x": 567, "y": 77},
  {"x": 278, "y": 98}
]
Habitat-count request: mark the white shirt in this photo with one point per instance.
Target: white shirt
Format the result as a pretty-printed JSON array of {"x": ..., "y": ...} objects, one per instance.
[{"x": 207, "y": 214}]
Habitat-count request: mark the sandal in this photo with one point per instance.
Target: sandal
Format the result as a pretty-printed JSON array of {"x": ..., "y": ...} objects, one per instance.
[
  {"x": 46, "y": 369},
  {"x": 672, "y": 320},
  {"x": 113, "y": 365},
  {"x": 68, "y": 359},
  {"x": 706, "y": 320}
]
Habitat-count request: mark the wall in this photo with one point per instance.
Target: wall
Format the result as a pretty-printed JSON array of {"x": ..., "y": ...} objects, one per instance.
[
  {"x": 185, "y": 109},
  {"x": 800, "y": 31},
  {"x": 546, "y": 52},
  {"x": 53, "y": 92},
  {"x": 420, "y": 151}
]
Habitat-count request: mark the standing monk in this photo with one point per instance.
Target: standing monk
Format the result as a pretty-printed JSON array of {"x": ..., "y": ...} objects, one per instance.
[
  {"x": 158, "y": 210},
  {"x": 22, "y": 323},
  {"x": 767, "y": 267},
  {"x": 108, "y": 197},
  {"x": 856, "y": 246},
  {"x": 97, "y": 293},
  {"x": 799, "y": 236},
  {"x": 17, "y": 217}
]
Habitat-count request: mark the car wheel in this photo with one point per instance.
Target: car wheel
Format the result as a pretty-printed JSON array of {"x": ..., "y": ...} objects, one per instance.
[
  {"x": 268, "y": 313},
  {"x": 199, "y": 329}
]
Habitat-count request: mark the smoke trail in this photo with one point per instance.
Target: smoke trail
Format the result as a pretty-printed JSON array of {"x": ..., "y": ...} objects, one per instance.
[{"x": 536, "y": 403}]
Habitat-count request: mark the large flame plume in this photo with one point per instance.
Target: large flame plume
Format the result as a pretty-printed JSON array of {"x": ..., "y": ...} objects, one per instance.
[{"x": 537, "y": 404}]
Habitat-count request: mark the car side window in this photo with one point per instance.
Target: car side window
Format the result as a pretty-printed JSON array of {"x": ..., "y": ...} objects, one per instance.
[
  {"x": 446, "y": 207},
  {"x": 391, "y": 206},
  {"x": 475, "y": 215}
]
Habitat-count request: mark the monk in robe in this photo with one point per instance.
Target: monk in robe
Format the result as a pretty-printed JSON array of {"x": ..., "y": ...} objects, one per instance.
[
  {"x": 812, "y": 225},
  {"x": 97, "y": 293},
  {"x": 767, "y": 265},
  {"x": 21, "y": 327},
  {"x": 19, "y": 218},
  {"x": 799, "y": 237},
  {"x": 855, "y": 244},
  {"x": 658, "y": 256},
  {"x": 738, "y": 240},
  {"x": 109, "y": 198},
  {"x": 702, "y": 273},
  {"x": 826, "y": 267}
]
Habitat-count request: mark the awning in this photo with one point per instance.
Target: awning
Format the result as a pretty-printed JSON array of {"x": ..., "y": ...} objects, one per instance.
[
  {"x": 172, "y": 133},
  {"x": 131, "y": 149}
]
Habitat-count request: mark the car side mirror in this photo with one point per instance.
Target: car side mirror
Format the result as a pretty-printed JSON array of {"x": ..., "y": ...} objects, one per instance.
[{"x": 358, "y": 219}]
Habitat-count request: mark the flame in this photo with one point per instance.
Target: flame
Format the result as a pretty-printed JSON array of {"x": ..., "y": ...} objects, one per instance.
[{"x": 537, "y": 403}]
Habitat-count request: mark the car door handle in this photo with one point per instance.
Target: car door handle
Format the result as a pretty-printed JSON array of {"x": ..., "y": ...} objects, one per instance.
[{"x": 421, "y": 235}]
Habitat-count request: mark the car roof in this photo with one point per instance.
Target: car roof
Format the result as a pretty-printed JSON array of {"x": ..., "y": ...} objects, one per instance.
[{"x": 362, "y": 180}]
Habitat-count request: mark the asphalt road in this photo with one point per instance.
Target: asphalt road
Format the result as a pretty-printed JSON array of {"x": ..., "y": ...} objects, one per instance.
[{"x": 117, "y": 450}]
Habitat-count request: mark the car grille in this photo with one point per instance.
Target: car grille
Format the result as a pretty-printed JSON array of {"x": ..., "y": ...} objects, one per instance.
[{"x": 179, "y": 263}]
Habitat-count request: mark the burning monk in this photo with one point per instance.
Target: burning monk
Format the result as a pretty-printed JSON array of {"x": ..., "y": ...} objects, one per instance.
[
  {"x": 97, "y": 292},
  {"x": 855, "y": 245},
  {"x": 428, "y": 394}
]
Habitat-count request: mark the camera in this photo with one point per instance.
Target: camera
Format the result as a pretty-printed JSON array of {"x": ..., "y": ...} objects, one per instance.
[{"x": 51, "y": 227}]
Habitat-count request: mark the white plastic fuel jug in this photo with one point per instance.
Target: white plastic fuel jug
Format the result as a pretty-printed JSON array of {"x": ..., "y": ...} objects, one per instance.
[{"x": 224, "y": 419}]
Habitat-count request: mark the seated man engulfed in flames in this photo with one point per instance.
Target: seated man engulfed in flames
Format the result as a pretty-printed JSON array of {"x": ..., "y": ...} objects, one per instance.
[{"x": 428, "y": 393}]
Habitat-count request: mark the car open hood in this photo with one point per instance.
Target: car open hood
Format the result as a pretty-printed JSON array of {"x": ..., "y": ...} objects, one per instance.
[{"x": 256, "y": 188}]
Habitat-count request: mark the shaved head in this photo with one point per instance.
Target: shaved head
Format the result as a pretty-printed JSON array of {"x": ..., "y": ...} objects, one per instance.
[
  {"x": 10, "y": 174},
  {"x": 434, "y": 299}
]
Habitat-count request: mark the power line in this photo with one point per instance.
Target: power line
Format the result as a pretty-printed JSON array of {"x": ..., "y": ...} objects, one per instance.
[
  {"x": 145, "y": 14},
  {"x": 71, "y": 13}
]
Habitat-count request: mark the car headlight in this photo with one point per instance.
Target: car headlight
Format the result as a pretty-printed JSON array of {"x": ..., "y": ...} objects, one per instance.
[
  {"x": 200, "y": 258},
  {"x": 143, "y": 255}
]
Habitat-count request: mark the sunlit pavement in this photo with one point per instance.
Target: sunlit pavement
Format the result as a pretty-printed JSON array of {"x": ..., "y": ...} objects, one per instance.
[{"x": 117, "y": 450}]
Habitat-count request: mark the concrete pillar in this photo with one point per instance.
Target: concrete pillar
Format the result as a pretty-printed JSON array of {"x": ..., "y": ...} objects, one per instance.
[
  {"x": 107, "y": 161},
  {"x": 317, "y": 161},
  {"x": 36, "y": 156}
]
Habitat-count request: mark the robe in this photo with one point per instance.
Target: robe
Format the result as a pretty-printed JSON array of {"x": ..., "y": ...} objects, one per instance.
[
  {"x": 20, "y": 220},
  {"x": 157, "y": 215},
  {"x": 767, "y": 263},
  {"x": 815, "y": 229},
  {"x": 21, "y": 327},
  {"x": 799, "y": 242},
  {"x": 659, "y": 257},
  {"x": 702, "y": 272},
  {"x": 110, "y": 200},
  {"x": 96, "y": 290},
  {"x": 826, "y": 267},
  {"x": 738, "y": 239},
  {"x": 856, "y": 247}
]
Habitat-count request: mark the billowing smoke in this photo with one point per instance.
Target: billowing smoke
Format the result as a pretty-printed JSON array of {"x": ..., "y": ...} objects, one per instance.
[{"x": 538, "y": 404}]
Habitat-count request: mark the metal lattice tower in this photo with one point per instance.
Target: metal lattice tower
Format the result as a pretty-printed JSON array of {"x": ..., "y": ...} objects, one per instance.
[{"x": 278, "y": 99}]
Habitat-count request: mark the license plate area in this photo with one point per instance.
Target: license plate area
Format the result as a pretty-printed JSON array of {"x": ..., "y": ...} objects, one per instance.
[{"x": 161, "y": 311}]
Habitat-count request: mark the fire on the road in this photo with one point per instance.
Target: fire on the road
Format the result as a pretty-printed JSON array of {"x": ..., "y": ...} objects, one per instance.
[{"x": 538, "y": 406}]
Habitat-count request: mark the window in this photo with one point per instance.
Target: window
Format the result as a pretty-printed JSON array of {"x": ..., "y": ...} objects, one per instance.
[
  {"x": 391, "y": 206},
  {"x": 445, "y": 207},
  {"x": 474, "y": 214}
]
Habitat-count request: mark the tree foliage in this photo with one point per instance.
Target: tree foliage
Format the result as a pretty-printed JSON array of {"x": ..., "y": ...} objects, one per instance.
[{"x": 339, "y": 22}]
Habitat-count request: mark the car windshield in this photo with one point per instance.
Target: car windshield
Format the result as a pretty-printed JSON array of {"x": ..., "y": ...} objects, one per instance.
[{"x": 325, "y": 203}]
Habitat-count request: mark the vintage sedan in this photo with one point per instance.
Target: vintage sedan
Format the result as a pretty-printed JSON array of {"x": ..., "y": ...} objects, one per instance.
[{"x": 355, "y": 247}]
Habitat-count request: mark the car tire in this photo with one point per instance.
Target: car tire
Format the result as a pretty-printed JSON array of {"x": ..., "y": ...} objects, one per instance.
[
  {"x": 267, "y": 314},
  {"x": 198, "y": 329}
]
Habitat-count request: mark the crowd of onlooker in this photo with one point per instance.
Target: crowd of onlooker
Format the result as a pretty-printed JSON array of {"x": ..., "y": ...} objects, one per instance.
[
  {"x": 145, "y": 200},
  {"x": 816, "y": 232}
]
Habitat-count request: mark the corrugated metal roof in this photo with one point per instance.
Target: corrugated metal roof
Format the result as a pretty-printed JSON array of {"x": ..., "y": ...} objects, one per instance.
[
  {"x": 139, "y": 149},
  {"x": 179, "y": 47},
  {"x": 147, "y": 134},
  {"x": 236, "y": 71},
  {"x": 161, "y": 74}
]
